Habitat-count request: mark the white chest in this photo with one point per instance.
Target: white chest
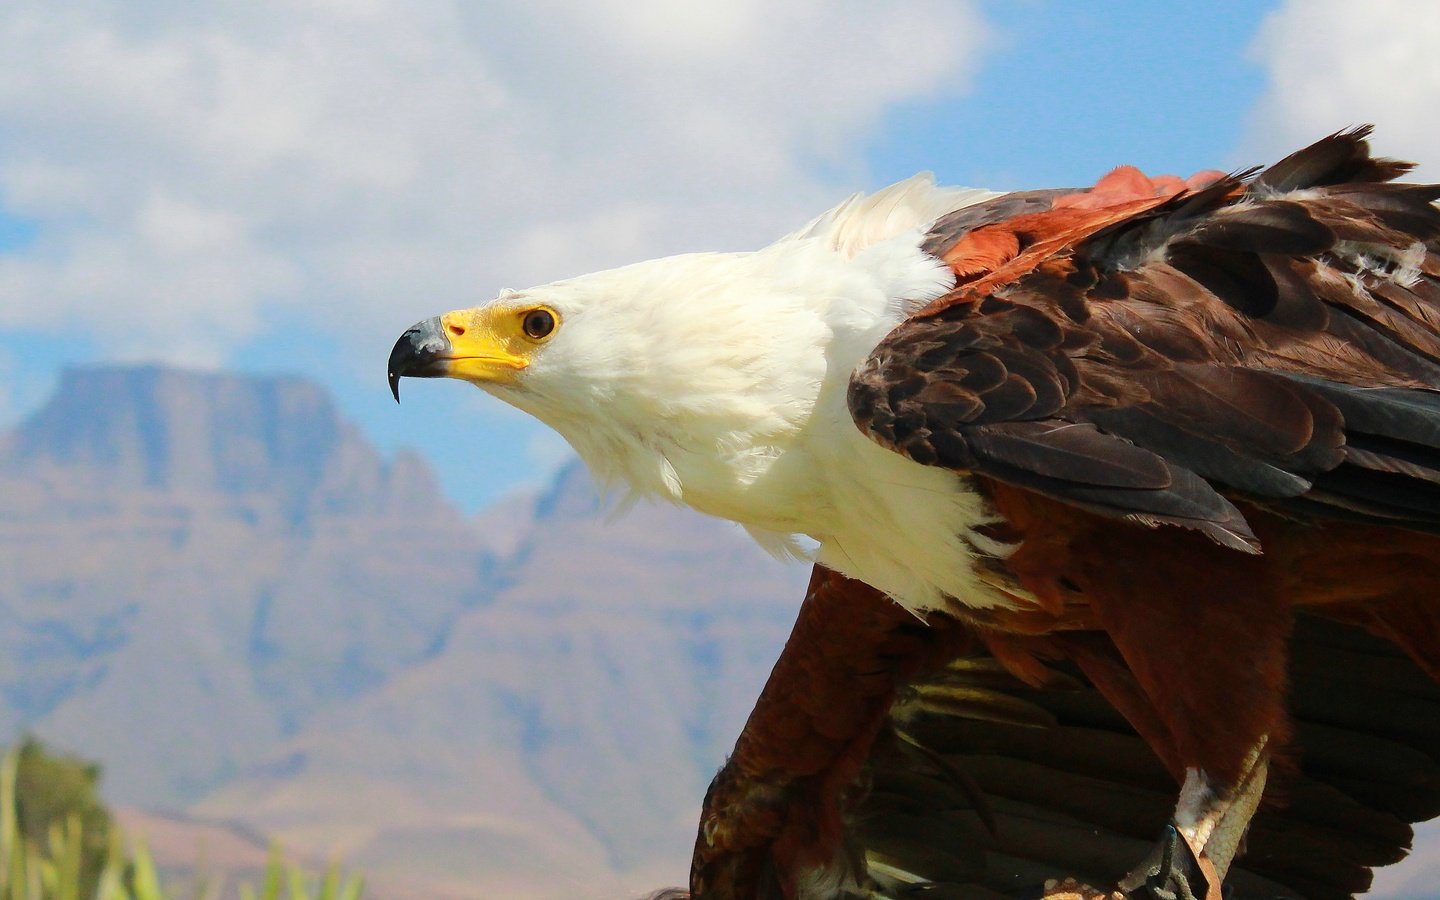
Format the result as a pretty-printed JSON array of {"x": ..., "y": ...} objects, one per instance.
[{"x": 904, "y": 528}]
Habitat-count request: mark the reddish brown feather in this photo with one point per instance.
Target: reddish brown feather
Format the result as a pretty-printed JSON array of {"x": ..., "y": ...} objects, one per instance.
[
  {"x": 1036, "y": 238},
  {"x": 1169, "y": 600},
  {"x": 775, "y": 810}
]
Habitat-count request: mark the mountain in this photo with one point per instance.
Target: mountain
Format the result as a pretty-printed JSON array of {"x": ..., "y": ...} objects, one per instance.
[
  {"x": 195, "y": 563},
  {"x": 568, "y": 729},
  {"x": 215, "y": 586}
]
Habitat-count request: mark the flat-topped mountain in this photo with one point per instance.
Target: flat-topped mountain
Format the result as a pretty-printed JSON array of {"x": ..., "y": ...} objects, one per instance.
[
  {"x": 192, "y": 563},
  {"x": 270, "y": 440}
]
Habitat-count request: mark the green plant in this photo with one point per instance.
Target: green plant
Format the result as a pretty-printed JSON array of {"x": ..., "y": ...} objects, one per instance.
[
  {"x": 56, "y": 804},
  {"x": 67, "y": 862},
  {"x": 280, "y": 877}
]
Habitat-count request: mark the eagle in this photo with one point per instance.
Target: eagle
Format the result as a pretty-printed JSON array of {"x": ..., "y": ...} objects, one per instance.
[{"x": 1144, "y": 475}]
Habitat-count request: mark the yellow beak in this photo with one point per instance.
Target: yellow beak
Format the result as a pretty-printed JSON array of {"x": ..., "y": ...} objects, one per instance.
[{"x": 465, "y": 344}]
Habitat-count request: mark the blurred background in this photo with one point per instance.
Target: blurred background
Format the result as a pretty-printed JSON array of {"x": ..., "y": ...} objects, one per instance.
[{"x": 271, "y": 604}]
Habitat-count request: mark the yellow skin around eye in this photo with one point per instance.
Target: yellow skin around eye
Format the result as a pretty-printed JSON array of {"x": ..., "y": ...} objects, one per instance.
[{"x": 489, "y": 343}]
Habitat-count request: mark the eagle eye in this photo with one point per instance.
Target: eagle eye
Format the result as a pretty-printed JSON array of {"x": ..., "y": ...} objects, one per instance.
[{"x": 538, "y": 323}]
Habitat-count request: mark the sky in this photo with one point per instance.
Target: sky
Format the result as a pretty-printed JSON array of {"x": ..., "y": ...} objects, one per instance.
[{"x": 286, "y": 185}]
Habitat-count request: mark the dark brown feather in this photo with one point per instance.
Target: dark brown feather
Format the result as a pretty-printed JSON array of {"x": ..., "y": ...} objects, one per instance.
[
  {"x": 1342, "y": 157},
  {"x": 1226, "y": 330},
  {"x": 1281, "y": 227}
]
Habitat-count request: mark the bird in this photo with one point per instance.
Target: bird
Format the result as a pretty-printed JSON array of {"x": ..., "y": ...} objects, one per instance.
[{"x": 1133, "y": 442}]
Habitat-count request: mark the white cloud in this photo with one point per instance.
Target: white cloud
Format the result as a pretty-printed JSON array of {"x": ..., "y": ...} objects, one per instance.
[
  {"x": 1335, "y": 63},
  {"x": 193, "y": 167}
]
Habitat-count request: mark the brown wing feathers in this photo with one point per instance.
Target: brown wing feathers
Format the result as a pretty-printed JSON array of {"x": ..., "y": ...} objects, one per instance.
[
  {"x": 945, "y": 776},
  {"x": 1276, "y": 337},
  {"x": 1065, "y": 786}
]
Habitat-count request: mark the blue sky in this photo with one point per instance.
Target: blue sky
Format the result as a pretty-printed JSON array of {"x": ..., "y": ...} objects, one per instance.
[
  {"x": 288, "y": 249},
  {"x": 1073, "y": 89}
]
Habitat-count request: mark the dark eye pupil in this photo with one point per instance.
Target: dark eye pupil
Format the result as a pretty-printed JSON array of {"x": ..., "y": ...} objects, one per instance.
[{"x": 539, "y": 323}]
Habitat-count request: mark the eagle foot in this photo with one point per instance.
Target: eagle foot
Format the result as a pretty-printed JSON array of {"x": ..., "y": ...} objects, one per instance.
[
  {"x": 1172, "y": 871},
  {"x": 1070, "y": 889}
]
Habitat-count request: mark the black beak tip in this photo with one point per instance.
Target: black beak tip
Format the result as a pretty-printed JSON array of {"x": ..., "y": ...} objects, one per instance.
[{"x": 419, "y": 353}]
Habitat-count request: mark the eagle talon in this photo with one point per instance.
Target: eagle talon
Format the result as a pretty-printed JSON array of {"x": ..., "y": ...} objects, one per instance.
[
  {"x": 1071, "y": 889},
  {"x": 1168, "y": 873}
]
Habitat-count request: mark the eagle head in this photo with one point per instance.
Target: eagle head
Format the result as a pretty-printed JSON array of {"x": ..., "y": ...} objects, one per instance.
[
  {"x": 698, "y": 367},
  {"x": 489, "y": 346}
]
